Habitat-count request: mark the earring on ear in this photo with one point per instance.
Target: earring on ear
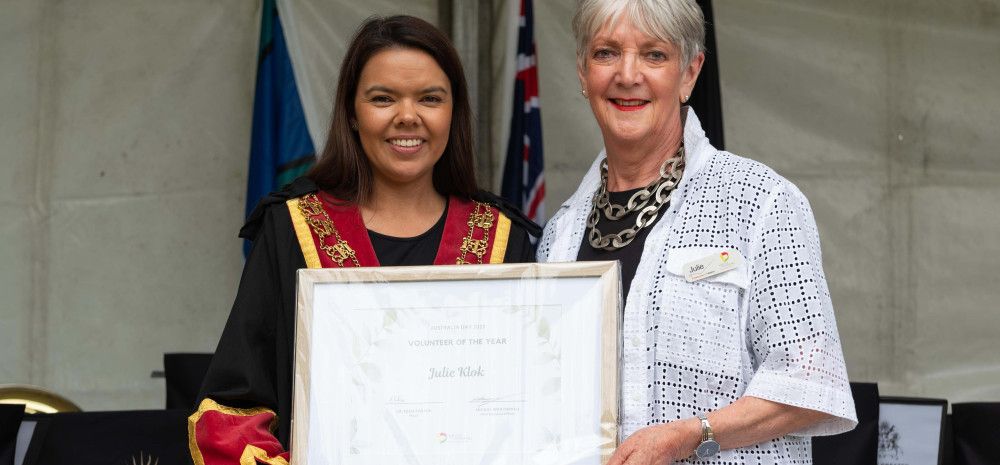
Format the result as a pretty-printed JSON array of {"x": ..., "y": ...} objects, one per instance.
[
  {"x": 583, "y": 93},
  {"x": 685, "y": 99}
]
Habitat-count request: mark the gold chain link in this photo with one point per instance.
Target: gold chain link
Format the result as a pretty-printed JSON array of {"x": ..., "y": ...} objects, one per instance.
[
  {"x": 320, "y": 222},
  {"x": 482, "y": 217}
]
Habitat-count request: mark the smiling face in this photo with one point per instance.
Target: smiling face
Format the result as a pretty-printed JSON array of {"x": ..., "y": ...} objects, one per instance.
[
  {"x": 635, "y": 83},
  {"x": 403, "y": 115}
]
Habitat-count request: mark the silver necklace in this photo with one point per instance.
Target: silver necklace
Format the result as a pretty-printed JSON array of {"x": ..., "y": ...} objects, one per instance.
[{"x": 648, "y": 201}]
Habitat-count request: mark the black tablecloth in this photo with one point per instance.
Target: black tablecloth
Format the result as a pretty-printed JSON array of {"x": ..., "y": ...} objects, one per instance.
[{"x": 141, "y": 437}]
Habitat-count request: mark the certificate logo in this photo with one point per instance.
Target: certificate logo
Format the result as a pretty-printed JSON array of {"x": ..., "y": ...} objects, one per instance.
[
  {"x": 724, "y": 256},
  {"x": 453, "y": 438}
]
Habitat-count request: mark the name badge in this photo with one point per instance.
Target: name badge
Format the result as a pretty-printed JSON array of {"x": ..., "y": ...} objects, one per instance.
[{"x": 711, "y": 265}]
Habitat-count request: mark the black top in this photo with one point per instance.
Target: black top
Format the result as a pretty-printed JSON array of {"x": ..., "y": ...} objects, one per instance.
[
  {"x": 630, "y": 254},
  {"x": 409, "y": 251}
]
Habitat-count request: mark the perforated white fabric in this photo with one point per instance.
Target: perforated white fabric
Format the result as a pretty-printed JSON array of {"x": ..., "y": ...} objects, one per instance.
[{"x": 766, "y": 329}]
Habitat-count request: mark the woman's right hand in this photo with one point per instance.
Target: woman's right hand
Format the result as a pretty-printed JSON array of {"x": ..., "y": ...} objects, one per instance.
[{"x": 659, "y": 444}]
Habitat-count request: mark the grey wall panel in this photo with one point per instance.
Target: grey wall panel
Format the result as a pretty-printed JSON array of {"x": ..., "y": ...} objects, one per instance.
[
  {"x": 946, "y": 173},
  {"x": 150, "y": 97},
  {"x": 856, "y": 254},
  {"x": 952, "y": 349},
  {"x": 16, "y": 293},
  {"x": 20, "y": 41},
  {"x": 803, "y": 84},
  {"x": 131, "y": 279},
  {"x": 571, "y": 136},
  {"x": 944, "y": 87},
  {"x": 135, "y": 170}
]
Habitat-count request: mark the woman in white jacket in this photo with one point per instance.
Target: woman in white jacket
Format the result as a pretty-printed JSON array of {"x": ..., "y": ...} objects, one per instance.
[{"x": 731, "y": 352}]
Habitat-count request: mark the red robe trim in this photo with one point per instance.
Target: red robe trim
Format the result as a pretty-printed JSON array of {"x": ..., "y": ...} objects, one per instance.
[
  {"x": 333, "y": 234},
  {"x": 220, "y": 435}
]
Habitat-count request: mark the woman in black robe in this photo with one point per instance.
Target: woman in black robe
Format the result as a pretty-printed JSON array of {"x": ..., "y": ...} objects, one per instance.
[{"x": 395, "y": 186}]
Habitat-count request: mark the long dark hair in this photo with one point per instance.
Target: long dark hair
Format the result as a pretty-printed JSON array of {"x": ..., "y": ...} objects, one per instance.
[{"x": 344, "y": 170}]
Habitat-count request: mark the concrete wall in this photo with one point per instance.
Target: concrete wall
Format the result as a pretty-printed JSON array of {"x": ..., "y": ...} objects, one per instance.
[
  {"x": 886, "y": 115},
  {"x": 125, "y": 128}
]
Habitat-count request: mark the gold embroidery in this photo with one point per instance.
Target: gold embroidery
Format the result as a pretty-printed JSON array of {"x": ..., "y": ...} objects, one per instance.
[
  {"x": 303, "y": 235},
  {"x": 500, "y": 239},
  {"x": 252, "y": 454},
  {"x": 482, "y": 218},
  {"x": 320, "y": 222}
]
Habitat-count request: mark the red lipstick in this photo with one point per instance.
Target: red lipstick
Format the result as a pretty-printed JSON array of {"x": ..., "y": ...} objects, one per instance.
[{"x": 634, "y": 104}]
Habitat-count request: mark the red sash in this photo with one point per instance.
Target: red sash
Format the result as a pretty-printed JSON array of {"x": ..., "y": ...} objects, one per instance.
[{"x": 332, "y": 234}]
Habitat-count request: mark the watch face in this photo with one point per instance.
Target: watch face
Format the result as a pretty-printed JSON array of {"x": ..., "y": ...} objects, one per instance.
[{"x": 707, "y": 449}]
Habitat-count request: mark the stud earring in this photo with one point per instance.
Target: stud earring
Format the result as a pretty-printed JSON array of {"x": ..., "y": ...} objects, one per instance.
[
  {"x": 583, "y": 93},
  {"x": 685, "y": 99}
]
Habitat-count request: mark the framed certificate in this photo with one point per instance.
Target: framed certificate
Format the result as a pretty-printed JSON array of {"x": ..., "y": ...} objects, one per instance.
[
  {"x": 485, "y": 364},
  {"x": 911, "y": 430}
]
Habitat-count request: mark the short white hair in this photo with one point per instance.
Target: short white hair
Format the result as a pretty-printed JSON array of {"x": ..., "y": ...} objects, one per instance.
[{"x": 680, "y": 22}]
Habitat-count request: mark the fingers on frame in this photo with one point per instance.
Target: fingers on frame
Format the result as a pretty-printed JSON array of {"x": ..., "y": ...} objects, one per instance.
[{"x": 622, "y": 454}]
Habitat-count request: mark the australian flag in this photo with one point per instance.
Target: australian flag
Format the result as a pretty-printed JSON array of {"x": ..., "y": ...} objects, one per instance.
[{"x": 523, "y": 183}]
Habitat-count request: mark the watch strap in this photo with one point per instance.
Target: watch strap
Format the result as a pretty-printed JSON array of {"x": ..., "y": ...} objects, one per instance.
[
  {"x": 706, "y": 428},
  {"x": 708, "y": 447}
]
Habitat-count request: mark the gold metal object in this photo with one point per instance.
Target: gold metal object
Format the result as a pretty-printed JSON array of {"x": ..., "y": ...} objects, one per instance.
[
  {"x": 36, "y": 399},
  {"x": 482, "y": 217},
  {"x": 320, "y": 222}
]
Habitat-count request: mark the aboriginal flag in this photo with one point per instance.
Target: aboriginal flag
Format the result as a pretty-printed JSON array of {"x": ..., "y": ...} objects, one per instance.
[{"x": 280, "y": 147}]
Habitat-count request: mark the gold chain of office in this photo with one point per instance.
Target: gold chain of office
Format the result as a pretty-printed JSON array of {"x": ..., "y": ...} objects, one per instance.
[
  {"x": 648, "y": 201},
  {"x": 320, "y": 222},
  {"x": 481, "y": 217},
  {"x": 340, "y": 251}
]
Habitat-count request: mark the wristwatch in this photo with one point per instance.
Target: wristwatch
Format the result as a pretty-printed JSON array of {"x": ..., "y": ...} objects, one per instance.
[{"x": 708, "y": 447}]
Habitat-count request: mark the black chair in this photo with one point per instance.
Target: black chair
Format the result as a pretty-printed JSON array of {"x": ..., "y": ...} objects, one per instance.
[
  {"x": 976, "y": 433},
  {"x": 860, "y": 445},
  {"x": 184, "y": 373}
]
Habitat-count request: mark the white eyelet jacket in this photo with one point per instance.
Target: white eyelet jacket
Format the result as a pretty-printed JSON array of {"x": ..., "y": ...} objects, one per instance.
[{"x": 765, "y": 329}]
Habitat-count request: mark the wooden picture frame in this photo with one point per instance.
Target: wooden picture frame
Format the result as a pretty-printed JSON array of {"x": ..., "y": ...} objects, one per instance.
[{"x": 509, "y": 364}]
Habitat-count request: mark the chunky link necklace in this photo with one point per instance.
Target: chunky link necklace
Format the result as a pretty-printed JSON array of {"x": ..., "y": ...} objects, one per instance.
[{"x": 648, "y": 201}]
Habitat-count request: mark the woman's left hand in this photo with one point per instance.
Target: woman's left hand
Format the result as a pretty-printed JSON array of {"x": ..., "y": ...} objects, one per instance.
[{"x": 659, "y": 444}]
